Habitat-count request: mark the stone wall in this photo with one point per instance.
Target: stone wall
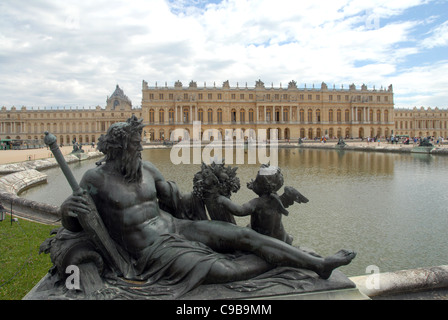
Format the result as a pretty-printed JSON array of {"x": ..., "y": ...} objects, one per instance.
[{"x": 21, "y": 176}]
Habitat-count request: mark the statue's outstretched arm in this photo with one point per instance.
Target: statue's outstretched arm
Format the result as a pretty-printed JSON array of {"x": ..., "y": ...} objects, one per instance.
[{"x": 237, "y": 210}]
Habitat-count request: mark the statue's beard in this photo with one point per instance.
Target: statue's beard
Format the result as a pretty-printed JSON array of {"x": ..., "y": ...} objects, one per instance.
[{"x": 131, "y": 166}]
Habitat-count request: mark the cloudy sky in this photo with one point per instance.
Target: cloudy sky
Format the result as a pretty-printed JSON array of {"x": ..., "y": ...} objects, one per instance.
[{"x": 74, "y": 53}]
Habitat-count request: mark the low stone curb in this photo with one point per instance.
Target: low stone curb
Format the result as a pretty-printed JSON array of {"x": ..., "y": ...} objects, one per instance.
[{"x": 403, "y": 281}]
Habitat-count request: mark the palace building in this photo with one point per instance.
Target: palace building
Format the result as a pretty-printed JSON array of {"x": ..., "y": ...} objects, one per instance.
[
  {"x": 421, "y": 122},
  {"x": 295, "y": 112},
  {"x": 27, "y": 126}
]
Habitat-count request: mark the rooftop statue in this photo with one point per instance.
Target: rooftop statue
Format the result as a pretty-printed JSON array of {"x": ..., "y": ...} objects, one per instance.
[{"x": 134, "y": 226}]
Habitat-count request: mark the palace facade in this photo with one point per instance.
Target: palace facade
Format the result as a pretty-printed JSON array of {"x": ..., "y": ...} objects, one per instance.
[
  {"x": 421, "y": 122},
  {"x": 295, "y": 112},
  {"x": 27, "y": 126}
]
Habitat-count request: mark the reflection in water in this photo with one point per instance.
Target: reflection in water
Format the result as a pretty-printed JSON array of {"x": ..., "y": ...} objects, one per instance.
[{"x": 390, "y": 208}]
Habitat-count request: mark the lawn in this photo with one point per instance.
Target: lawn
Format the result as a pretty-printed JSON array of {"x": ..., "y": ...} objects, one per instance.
[{"x": 21, "y": 265}]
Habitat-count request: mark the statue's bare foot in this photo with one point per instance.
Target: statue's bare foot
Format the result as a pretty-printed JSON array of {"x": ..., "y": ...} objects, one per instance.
[{"x": 341, "y": 258}]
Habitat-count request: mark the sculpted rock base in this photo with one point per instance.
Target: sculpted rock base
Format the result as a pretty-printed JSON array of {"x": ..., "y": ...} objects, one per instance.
[{"x": 279, "y": 283}]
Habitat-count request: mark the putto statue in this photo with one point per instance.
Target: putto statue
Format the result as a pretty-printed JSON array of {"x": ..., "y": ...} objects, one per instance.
[{"x": 139, "y": 231}]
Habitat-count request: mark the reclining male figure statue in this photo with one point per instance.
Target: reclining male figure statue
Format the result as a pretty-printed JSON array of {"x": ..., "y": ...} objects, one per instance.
[{"x": 127, "y": 192}]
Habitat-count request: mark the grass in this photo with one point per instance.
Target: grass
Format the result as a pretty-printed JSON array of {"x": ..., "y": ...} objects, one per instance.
[{"x": 21, "y": 266}]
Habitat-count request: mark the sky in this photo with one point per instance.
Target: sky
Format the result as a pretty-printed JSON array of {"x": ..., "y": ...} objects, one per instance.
[{"x": 74, "y": 53}]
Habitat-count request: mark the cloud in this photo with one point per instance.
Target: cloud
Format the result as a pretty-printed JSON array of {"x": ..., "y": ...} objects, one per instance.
[
  {"x": 61, "y": 54},
  {"x": 438, "y": 37}
]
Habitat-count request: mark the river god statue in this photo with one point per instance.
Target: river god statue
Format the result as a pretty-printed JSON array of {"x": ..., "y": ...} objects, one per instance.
[{"x": 134, "y": 235}]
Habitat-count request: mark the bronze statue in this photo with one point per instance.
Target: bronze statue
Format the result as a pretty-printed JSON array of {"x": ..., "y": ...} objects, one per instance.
[
  {"x": 217, "y": 181},
  {"x": 140, "y": 210}
]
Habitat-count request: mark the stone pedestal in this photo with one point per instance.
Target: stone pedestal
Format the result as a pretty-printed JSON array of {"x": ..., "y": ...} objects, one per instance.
[{"x": 279, "y": 284}]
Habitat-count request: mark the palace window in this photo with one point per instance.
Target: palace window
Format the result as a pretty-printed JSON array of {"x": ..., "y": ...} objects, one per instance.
[
  {"x": 330, "y": 115},
  {"x": 219, "y": 115},
  {"x": 285, "y": 115},
  {"x": 171, "y": 116},
  {"x": 210, "y": 115},
  {"x": 242, "y": 116},
  {"x": 302, "y": 115},
  {"x": 151, "y": 116},
  {"x": 201, "y": 115},
  {"x": 186, "y": 115},
  {"x": 251, "y": 115},
  {"x": 161, "y": 116},
  {"x": 310, "y": 115},
  {"x": 347, "y": 115},
  {"x": 233, "y": 116},
  {"x": 318, "y": 115}
]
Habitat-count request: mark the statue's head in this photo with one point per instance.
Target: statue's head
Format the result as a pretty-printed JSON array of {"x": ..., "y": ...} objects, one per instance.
[
  {"x": 269, "y": 179},
  {"x": 122, "y": 143}
]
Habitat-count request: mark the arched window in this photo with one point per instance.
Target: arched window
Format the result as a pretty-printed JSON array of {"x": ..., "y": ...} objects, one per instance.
[
  {"x": 210, "y": 115},
  {"x": 251, "y": 115},
  {"x": 161, "y": 116},
  {"x": 285, "y": 114},
  {"x": 302, "y": 117},
  {"x": 186, "y": 115},
  {"x": 171, "y": 116},
  {"x": 242, "y": 116},
  {"x": 151, "y": 116},
  {"x": 219, "y": 115},
  {"x": 201, "y": 115}
]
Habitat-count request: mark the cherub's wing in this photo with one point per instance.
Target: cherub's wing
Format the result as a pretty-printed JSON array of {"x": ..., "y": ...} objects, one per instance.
[{"x": 292, "y": 195}]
